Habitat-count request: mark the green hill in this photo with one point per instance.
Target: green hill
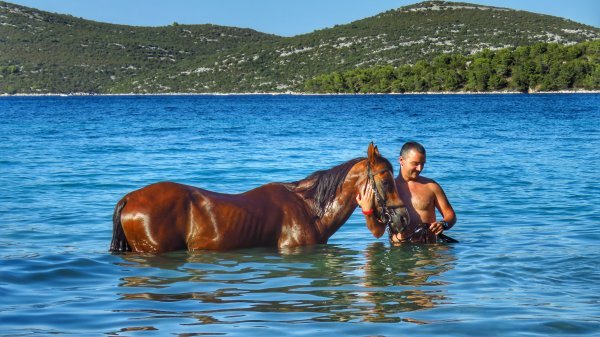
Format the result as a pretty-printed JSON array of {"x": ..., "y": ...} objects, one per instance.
[
  {"x": 540, "y": 67},
  {"x": 41, "y": 52}
]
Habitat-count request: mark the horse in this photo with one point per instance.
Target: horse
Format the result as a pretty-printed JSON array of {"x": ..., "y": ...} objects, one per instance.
[{"x": 168, "y": 216}]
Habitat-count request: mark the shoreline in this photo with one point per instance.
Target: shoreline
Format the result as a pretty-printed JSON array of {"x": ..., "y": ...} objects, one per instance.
[{"x": 294, "y": 93}]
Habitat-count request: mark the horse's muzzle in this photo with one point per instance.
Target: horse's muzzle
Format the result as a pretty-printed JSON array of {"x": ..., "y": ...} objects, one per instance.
[{"x": 400, "y": 219}]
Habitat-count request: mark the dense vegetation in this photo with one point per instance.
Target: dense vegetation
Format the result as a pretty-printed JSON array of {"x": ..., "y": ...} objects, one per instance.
[
  {"x": 42, "y": 52},
  {"x": 541, "y": 67}
]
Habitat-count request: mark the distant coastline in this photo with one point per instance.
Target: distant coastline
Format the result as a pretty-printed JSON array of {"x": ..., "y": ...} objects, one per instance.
[{"x": 295, "y": 93}]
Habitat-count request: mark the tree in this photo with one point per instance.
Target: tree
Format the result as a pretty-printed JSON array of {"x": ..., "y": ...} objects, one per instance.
[
  {"x": 479, "y": 74},
  {"x": 547, "y": 67},
  {"x": 592, "y": 80}
]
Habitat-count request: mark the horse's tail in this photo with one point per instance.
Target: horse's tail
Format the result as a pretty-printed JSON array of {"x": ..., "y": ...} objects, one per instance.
[{"x": 119, "y": 241}]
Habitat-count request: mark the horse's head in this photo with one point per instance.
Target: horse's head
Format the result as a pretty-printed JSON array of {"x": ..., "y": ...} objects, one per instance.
[{"x": 388, "y": 206}]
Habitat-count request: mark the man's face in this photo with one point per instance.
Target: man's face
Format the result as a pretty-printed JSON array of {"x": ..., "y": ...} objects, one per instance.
[{"x": 412, "y": 164}]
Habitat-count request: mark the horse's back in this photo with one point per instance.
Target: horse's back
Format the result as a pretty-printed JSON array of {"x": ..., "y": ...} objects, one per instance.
[{"x": 170, "y": 216}]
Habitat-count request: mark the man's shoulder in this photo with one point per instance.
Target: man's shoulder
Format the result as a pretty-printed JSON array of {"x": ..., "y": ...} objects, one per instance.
[
  {"x": 425, "y": 180},
  {"x": 431, "y": 184}
]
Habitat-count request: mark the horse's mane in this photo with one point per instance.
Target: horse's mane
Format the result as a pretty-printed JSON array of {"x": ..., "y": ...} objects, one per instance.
[{"x": 320, "y": 188}]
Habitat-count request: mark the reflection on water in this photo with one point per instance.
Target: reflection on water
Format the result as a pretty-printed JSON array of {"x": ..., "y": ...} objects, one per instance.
[
  {"x": 310, "y": 284},
  {"x": 410, "y": 268}
]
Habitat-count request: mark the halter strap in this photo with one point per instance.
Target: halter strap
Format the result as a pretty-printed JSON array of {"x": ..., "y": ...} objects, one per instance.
[
  {"x": 386, "y": 216},
  {"x": 381, "y": 202}
]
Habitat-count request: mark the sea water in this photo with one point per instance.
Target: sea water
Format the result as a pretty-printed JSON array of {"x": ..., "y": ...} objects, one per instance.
[{"x": 521, "y": 171}]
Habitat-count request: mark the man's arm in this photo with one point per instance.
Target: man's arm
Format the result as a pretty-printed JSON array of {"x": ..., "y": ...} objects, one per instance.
[{"x": 444, "y": 207}]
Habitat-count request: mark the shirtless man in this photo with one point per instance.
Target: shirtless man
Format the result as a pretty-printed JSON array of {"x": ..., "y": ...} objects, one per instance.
[{"x": 421, "y": 195}]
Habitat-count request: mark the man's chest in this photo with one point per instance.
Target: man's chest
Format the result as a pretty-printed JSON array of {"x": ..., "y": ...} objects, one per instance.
[{"x": 419, "y": 196}]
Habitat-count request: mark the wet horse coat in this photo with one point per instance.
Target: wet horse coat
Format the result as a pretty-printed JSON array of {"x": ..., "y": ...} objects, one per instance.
[{"x": 168, "y": 216}]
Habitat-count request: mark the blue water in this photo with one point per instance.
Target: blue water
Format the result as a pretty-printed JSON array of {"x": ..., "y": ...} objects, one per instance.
[{"x": 522, "y": 172}]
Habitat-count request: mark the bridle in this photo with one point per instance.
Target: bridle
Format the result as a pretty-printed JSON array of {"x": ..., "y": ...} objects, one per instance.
[
  {"x": 419, "y": 235},
  {"x": 385, "y": 214}
]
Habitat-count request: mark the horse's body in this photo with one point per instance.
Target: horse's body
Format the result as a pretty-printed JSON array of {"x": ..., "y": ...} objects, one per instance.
[{"x": 169, "y": 216}]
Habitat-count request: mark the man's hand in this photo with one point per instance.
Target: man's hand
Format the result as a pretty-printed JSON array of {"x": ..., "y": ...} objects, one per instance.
[{"x": 437, "y": 227}]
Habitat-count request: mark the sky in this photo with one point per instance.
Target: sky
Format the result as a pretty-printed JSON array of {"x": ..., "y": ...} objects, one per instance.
[{"x": 280, "y": 17}]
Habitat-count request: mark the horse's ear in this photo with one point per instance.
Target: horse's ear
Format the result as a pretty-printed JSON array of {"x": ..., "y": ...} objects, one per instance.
[{"x": 373, "y": 152}]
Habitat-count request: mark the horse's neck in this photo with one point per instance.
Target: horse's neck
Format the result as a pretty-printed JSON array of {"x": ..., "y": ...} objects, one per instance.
[{"x": 340, "y": 209}]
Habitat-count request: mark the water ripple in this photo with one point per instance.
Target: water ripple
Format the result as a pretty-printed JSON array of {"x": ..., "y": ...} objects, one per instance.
[{"x": 521, "y": 171}]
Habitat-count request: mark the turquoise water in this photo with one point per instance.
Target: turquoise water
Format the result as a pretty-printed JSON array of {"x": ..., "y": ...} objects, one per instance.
[{"x": 522, "y": 172}]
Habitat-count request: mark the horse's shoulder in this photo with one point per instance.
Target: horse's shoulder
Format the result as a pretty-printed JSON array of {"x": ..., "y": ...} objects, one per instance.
[
  {"x": 270, "y": 191},
  {"x": 283, "y": 188},
  {"x": 265, "y": 189}
]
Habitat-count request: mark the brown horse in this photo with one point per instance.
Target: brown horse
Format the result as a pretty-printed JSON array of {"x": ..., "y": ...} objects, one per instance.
[{"x": 168, "y": 216}]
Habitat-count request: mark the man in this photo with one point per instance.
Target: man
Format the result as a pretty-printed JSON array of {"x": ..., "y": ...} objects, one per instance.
[{"x": 421, "y": 195}]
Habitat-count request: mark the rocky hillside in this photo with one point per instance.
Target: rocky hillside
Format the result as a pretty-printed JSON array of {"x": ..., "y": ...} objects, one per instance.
[{"x": 41, "y": 52}]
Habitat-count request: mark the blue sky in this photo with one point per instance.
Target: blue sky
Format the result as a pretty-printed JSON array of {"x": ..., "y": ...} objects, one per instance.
[{"x": 281, "y": 17}]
